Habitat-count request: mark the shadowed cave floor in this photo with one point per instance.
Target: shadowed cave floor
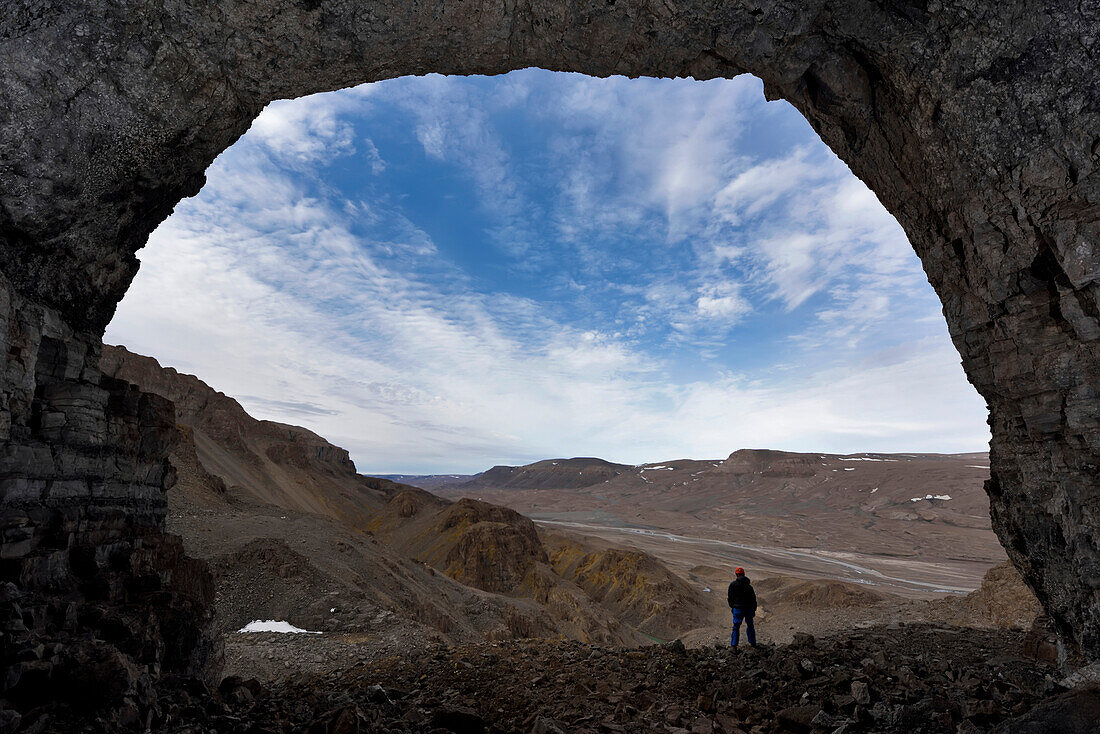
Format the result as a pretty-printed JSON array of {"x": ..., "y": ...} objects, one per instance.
[{"x": 897, "y": 678}]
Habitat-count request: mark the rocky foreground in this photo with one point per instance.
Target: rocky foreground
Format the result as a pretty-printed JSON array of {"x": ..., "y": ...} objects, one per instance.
[{"x": 900, "y": 678}]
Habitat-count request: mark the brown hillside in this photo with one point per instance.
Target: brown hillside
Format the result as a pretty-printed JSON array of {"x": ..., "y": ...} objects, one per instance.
[
  {"x": 497, "y": 549},
  {"x": 1003, "y": 601},
  {"x": 641, "y": 589},
  {"x": 782, "y": 591},
  {"x": 273, "y": 463},
  {"x": 478, "y": 544}
]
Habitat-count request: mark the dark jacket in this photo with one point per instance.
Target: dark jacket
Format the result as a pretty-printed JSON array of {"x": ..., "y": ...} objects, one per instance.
[{"x": 741, "y": 595}]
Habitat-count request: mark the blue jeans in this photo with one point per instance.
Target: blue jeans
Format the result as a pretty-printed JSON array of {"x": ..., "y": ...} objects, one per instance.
[{"x": 750, "y": 630}]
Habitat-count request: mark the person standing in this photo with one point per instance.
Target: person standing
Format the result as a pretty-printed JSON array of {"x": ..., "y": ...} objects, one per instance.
[{"x": 742, "y": 600}]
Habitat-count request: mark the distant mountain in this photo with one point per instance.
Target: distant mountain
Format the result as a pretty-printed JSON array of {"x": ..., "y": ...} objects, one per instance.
[
  {"x": 426, "y": 481},
  {"x": 551, "y": 473}
]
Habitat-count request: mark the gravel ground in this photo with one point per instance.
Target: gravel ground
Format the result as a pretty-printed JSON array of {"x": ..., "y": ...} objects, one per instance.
[{"x": 891, "y": 679}]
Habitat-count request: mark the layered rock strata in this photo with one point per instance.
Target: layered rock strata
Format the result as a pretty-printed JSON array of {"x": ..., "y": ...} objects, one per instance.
[
  {"x": 96, "y": 601},
  {"x": 974, "y": 122}
]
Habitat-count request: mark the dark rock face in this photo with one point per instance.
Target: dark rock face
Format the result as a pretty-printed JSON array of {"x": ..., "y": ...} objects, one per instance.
[
  {"x": 96, "y": 600},
  {"x": 1075, "y": 712},
  {"x": 975, "y": 122}
]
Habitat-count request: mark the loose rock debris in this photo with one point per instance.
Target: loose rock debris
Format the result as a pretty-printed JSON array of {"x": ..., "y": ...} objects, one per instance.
[{"x": 896, "y": 678}]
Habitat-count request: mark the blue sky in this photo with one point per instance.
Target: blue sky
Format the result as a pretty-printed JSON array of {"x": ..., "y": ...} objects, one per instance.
[{"x": 442, "y": 273}]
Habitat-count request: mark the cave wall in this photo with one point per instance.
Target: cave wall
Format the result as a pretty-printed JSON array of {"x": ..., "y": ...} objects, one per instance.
[
  {"x": 976, "y": 123},
  {"x": 96, "y": 600}
]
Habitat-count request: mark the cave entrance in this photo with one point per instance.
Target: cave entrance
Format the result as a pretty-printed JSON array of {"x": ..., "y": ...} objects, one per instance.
[{"x": 973, "y": 123}]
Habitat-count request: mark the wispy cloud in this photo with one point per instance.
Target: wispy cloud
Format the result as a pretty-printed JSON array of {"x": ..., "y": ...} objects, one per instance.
[
  {"x": 452, "y": 127},
  {"x": 304, "y": 131},
  {"x": 671, "y": 288}
]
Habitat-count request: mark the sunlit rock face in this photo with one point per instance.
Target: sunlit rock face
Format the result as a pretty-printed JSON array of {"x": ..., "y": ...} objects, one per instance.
[{"x": 974, "y": 122}]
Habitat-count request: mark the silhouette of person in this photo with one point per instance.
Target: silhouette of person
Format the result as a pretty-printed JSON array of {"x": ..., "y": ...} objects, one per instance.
[{"x": 742, "y": 600}]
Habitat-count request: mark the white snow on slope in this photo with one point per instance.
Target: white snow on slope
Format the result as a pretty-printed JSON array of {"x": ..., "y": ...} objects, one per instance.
[
  {"x": 931, "y": 497},
  {"x": 271, "y": 625}
]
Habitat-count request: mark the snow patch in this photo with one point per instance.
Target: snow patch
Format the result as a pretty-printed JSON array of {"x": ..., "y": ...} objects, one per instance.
[
  {"x": 271, "y": 625},
  {"x": 849, "y": 468},
  {"x": 654, "y": 468},
  {"x": 863, "y": 458},
  {"x": 976, "y": 466},
  {"x": 930, "y": 497}
]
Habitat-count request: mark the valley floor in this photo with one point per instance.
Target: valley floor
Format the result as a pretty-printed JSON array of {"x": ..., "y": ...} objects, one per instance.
[{"x": 917, "y": 578}]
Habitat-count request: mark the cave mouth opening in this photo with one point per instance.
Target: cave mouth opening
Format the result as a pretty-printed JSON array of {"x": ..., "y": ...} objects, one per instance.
[
  {"x": 551, "y": 264},
  {"x": 973, "y": 123}
]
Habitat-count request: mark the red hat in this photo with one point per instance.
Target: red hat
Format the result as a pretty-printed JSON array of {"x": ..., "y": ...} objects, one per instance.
[{"x": 739, "y": 571}]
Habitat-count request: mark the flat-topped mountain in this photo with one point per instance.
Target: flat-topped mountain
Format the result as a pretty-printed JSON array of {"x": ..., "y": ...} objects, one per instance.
[{"x": 573, "y": 473}]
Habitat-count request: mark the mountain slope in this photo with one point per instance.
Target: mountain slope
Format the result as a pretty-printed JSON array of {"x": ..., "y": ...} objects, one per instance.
[
  {"x": 595, "y": 592},
  {"x": 574, "y": 473},
  {"x": 293, "y": 532},
  {"x": 274, "y": 463}
]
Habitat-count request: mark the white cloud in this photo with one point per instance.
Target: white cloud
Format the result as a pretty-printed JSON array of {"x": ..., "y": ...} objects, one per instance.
[
  {"x": 388, "y": 365},
  {"x": 903, "y": 398},
  {"x": 306, "y": 130},
  {"x": 659, "y": 161},
  {"x": 654, "y": 144},
  {"x": 723, "y": 301},
  {"x": 758, "y": 187},
  {"x": 430, "y": 135}
]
